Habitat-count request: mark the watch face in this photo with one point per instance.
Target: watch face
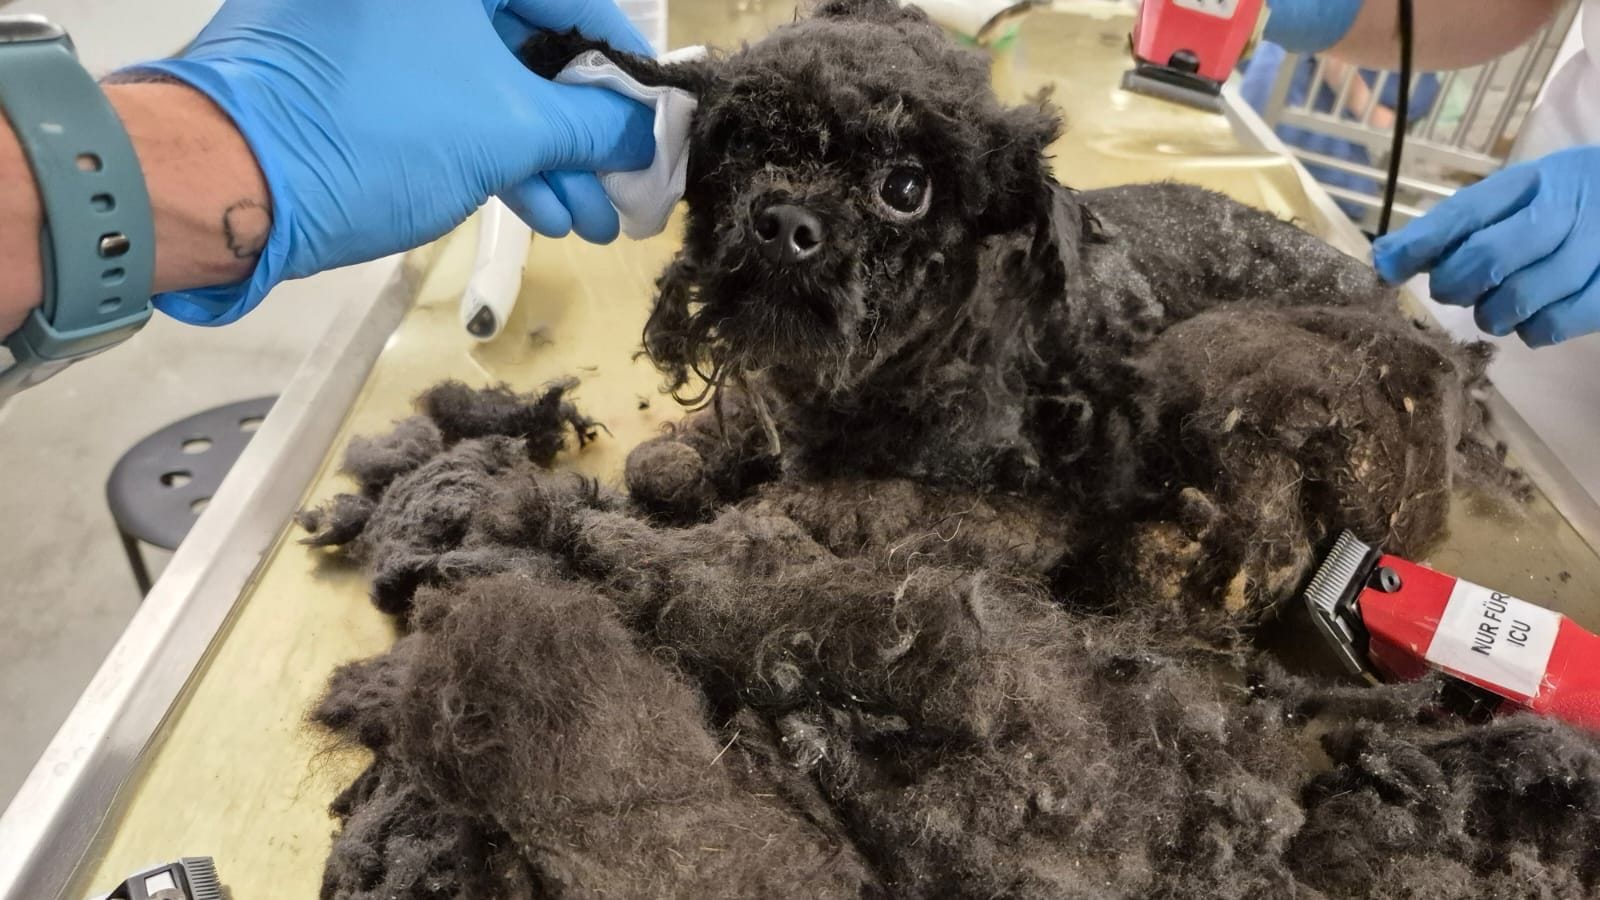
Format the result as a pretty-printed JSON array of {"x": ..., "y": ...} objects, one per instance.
[{"x": 28, "y": 29}]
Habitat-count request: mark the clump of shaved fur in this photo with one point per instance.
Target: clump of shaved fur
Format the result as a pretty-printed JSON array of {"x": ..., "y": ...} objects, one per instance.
[
  {"x": 623, "y": 784},
  {"x": 788, "y": 694},
  {"x": 460, "y": 412},
  {"x": 423, "y": 488},
  {"x": 952, "y": 589}
]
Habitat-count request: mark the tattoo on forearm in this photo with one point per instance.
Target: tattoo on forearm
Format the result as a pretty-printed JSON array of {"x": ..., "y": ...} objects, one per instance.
[{"x": 245, "y": 226}]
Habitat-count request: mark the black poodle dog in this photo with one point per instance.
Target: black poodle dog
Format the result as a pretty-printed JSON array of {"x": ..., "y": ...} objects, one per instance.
[{"x": 881, "y": 277}]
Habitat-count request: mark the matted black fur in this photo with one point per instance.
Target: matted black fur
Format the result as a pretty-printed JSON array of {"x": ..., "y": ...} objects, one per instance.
[
  {"x": 949, "y": 593},
  {"x": 1014, "y": 335}
]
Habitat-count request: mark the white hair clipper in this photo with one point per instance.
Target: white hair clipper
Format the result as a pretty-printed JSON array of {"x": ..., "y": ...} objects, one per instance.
[{"x": 496, "y": 278}]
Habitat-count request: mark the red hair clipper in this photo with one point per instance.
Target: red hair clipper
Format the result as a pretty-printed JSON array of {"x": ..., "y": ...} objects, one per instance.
[
  {"x": 1184, "y": 50},
  {"x": 1390, "y": 618}
]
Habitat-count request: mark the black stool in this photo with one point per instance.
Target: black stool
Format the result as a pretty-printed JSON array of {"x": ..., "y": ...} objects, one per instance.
[{"x": 160, "y": 486}]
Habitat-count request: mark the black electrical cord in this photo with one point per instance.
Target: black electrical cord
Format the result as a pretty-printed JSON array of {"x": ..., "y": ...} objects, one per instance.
[{"x": 1402, "y": 117}]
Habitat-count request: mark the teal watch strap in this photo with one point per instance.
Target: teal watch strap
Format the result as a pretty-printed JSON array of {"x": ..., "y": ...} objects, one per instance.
[{"x": 98, "y": 240}]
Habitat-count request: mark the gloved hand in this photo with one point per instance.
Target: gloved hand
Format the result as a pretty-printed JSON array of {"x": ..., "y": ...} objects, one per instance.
[
  {"x": 381, "y": 125},
  {"x": 1522, "y": 246},
  {"x": 1309, "y": 26}
]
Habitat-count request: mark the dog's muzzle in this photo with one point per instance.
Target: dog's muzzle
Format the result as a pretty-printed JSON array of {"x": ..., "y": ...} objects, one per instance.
[{"x": 789, "y": 234}]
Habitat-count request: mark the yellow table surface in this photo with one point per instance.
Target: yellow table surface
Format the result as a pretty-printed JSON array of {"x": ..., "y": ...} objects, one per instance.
[{"x": 237, "y": 774}]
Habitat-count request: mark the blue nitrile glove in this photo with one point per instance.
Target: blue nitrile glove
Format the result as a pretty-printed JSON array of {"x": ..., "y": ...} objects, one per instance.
[
  {"x": 380, "y": 126},
  {"x": 1522, "y": 246},
  {"x": 1309, "y": 26}
]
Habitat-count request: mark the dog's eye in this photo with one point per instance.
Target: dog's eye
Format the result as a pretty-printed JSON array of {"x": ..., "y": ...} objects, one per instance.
[{"x": 903, "y": 189}]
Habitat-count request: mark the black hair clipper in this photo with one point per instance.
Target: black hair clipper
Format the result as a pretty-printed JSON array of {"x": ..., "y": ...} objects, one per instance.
[{"x": 190, "y": 878}]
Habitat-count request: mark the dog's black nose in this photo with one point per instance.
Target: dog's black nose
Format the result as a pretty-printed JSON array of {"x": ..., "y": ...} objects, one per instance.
[{"x": 788, "y": 233}]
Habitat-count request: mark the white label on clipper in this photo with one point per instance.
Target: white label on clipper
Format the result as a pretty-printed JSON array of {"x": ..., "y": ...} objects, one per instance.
[
  {"x": 1495, "y": 638},
  {"x": 1222, "y": 9}
]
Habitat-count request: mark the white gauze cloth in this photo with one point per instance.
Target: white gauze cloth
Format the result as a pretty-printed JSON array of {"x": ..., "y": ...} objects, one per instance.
[{"x": 644, "y": 199}]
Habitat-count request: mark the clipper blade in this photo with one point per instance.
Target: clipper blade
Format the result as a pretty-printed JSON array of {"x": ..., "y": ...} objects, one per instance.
[
  {"x": 1337, "y": 573},
  {"x": 1176, "y": 87},
  {"x": 1330, "y": 594},
  {"x": 202, "y": 874}
]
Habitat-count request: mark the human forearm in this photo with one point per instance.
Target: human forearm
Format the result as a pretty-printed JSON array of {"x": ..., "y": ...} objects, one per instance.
[
  {"x": 210, "y": 203},
  {"x": 19, "y": 233},
  {"x": 1450, "y": 34}
]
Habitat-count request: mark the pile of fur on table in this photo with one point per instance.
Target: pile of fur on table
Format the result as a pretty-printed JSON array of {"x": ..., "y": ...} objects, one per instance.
[{"x": 864, "y": 687}]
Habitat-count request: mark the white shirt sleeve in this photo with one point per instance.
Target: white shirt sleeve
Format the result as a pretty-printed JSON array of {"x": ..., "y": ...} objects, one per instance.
[{"x": 1568, "y": 110}]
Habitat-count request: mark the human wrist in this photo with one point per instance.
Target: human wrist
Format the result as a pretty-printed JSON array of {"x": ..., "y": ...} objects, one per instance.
[
  {"x": 208, "y": 196},
  {"x": 1309, "y": 26},
  {"x": 22, "y": 286}
]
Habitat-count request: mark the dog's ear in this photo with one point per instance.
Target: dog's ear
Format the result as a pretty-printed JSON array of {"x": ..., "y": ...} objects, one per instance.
[
  {"x": 668, "y": 334},
  {"x": 1063, "y": 227},
  {"x": 1026, "y": 200},
  {"x": 1017, "y": 170},
  {"x": 546, "y": 53}
]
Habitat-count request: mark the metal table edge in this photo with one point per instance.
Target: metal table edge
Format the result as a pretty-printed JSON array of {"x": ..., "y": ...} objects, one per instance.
[{"x": 55, "y": 817}]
